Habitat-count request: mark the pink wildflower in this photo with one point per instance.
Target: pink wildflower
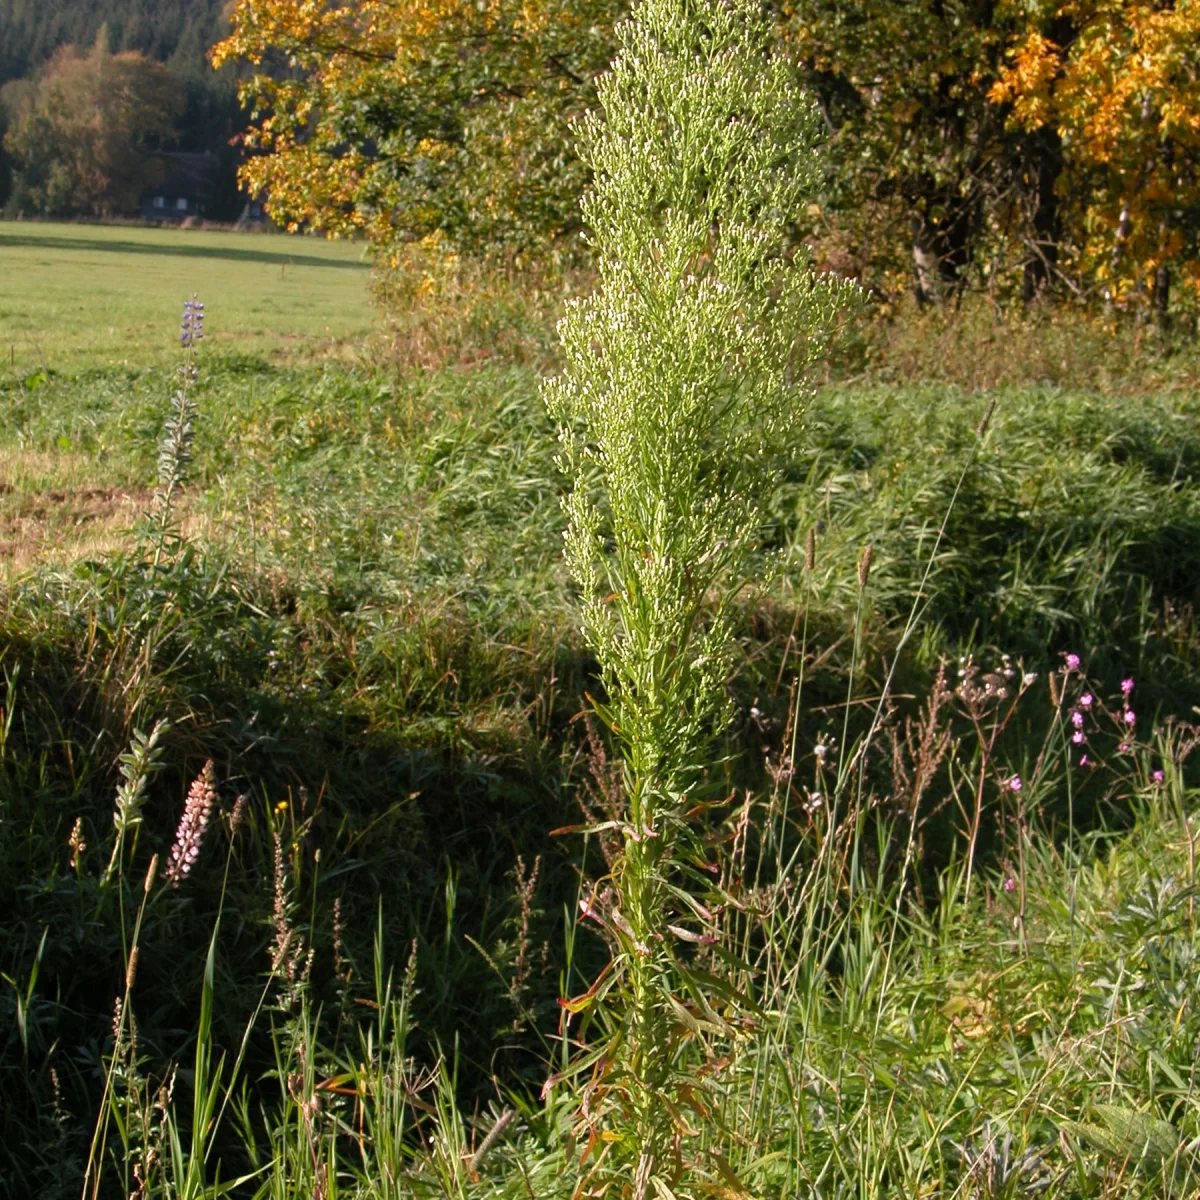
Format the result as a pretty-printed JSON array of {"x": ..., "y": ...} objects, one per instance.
[
  {"x": 1126, "y": 686},
  {"x": 1010, "y": 884},
  {"x": 201, "y": 797},
  {"x": 1085, "y": 701},
  {"x": 1077, "y": 737},
  {"x": 1014, "y": 784},
  {"x": 1158, "y": 777},
  {"x": 1072, "y": 662},
  {"x": 1077, "y": 719},
  {"x": 1130, "y": 716}
]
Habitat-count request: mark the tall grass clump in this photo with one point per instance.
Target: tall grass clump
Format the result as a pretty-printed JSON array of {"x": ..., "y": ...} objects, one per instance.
[{"x": 683, "y": 388}]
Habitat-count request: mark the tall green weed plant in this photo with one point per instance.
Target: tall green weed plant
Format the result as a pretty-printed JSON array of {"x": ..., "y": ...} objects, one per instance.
[{"x": 684, "y": 387}]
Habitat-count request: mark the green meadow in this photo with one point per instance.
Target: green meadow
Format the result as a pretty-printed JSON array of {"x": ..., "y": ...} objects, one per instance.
[
  {"x": 77, "y": 296},
  {"x": 362, "y": 619}
]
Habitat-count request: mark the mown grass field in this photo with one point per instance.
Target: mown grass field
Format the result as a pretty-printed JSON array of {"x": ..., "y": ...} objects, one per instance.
[
  {"x": 76, "y": 297},
  {"x": 369, "y": 630}
]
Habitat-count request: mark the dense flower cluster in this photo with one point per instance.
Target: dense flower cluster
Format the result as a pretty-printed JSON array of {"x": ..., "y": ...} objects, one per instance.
[
  {"x": 191, "y": 328},
  {"x": 201, "y": 798}
]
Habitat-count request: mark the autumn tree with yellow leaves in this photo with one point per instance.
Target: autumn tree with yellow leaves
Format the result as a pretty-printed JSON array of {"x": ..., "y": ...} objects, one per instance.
[
  {"x": 410, "y": 119},
  {"x": 86, "y": 131},
  {"x": 925, "y": 181},
  {"x": 972, "y": 144},
  {"x": 1120, "y": 87}
]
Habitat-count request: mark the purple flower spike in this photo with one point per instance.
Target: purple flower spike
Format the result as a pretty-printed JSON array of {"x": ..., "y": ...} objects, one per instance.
[
  {"x": 1014, "y": 784},
  {"x": 191, "y": 328},
  {"x": 1072, "y": 662}
]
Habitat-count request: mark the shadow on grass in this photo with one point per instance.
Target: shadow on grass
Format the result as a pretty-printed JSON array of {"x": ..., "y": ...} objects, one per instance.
[
  {"x": 197, "y": 251},
  {"x": 412, "y": 832}
]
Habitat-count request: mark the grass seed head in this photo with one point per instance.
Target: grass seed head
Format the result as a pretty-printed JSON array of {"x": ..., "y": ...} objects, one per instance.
[
  {"x": 238, "y": 814},
  {"x": 864, "y": 567},
  {"x": 986, "y": 419}
]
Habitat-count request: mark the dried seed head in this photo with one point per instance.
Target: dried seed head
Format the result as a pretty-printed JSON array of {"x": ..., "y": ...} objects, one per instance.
[
  {"x": 981, "y": 429},
  {"x": 337, "y": 936},
  {"x": 131, "y": 970},
  {"x": 287, "y": 947},
  {"x": 1055, "y": 698},
  {"x": 238, "y": 815},
  {"x": 810, "y": 550},
  {"x": 864, "y": 567},
  {"x": 151, "y": 872}
]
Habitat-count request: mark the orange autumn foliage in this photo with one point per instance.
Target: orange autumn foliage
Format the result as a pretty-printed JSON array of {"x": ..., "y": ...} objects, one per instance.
[
  {"x": 1005, "y": 148},
  {"x": 1122, "y": 90}
]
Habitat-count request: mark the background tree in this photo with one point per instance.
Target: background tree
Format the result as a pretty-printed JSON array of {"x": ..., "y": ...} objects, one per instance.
[
  {"x": 405, "y": 120},
  {"x": 176, "y": 33},
  {"x": 5, "y": 160},
  {"x": 973, "y": 143},
  {"x": 1119, "y": 86},
  {"x": 82, "y": 137},
  {"x": 928, "y": 183}
]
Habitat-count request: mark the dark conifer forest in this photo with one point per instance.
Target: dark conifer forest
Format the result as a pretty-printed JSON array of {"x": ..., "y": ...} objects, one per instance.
[{"x": 174, "y": 33}]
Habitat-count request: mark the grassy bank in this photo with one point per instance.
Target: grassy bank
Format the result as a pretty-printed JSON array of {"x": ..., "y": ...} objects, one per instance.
[
  {"x": 371, "y": 635},
  {"x": 1074, "y": 526},
  {"x": 964, "y": 940}
]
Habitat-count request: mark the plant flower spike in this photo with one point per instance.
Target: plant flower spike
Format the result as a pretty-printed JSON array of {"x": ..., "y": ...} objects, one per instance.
[
  {"x": 197, "y": 810},
  {"x": 683, "y": 388}
]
